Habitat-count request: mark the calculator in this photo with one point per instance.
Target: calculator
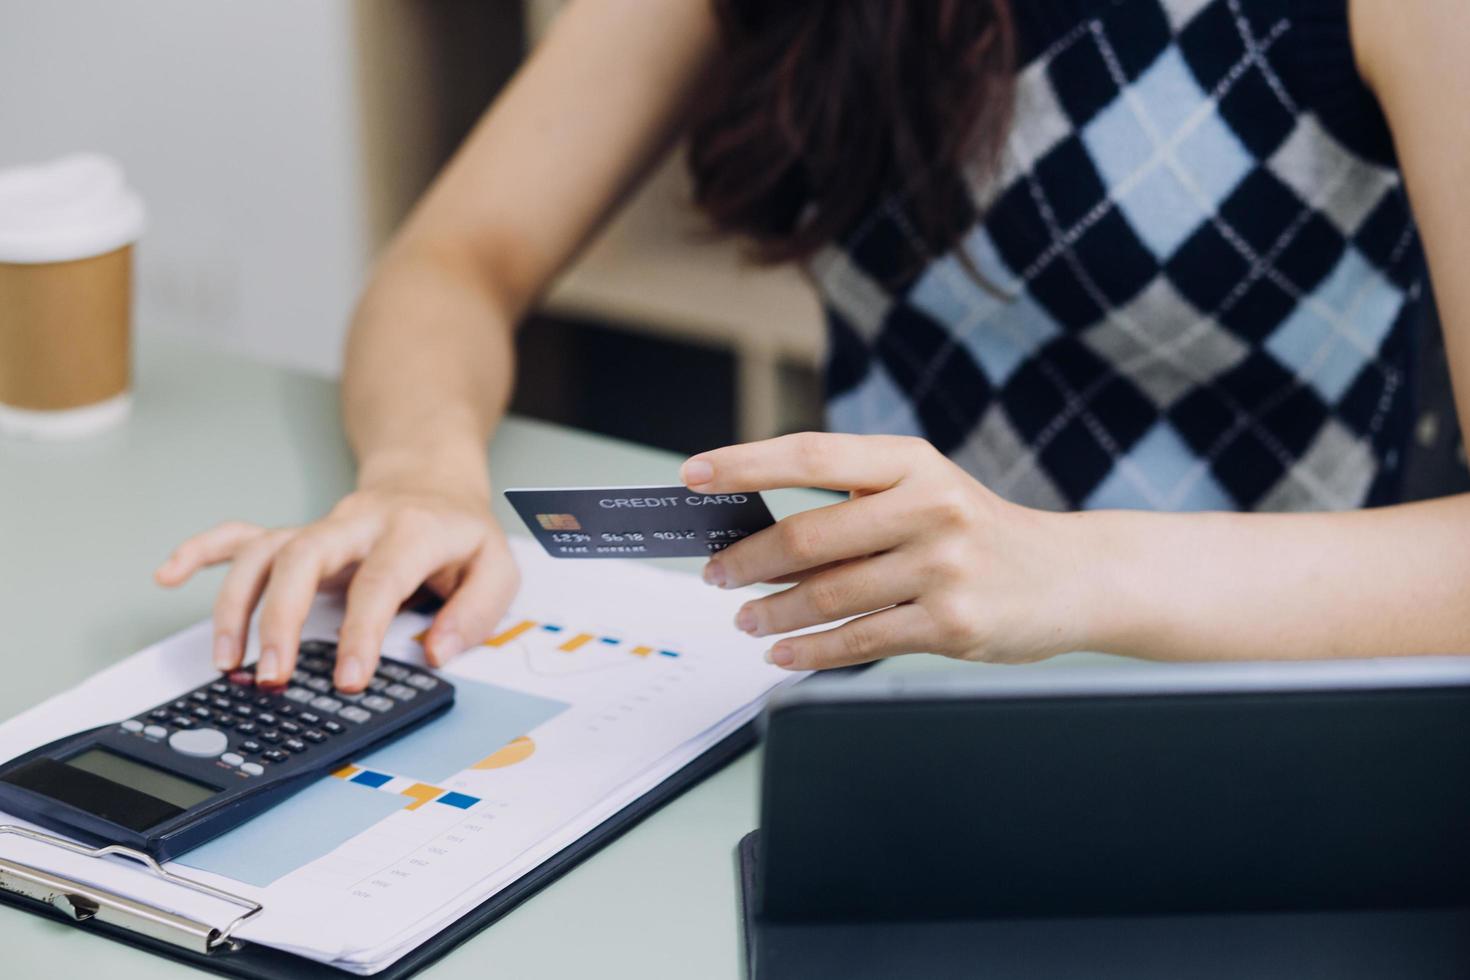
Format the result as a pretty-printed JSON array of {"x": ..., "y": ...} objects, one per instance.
[{"x": 173, "y": 777}]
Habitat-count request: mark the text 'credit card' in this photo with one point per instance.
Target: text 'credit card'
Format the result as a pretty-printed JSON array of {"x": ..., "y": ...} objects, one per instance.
[{"x": 638, "y": 522}]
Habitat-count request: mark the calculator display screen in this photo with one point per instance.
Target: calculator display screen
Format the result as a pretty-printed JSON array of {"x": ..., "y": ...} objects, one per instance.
[{"x": 182, "y": 793}]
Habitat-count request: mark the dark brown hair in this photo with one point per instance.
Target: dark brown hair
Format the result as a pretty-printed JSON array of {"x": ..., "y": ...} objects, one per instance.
[{"x": 819, "y": 110}]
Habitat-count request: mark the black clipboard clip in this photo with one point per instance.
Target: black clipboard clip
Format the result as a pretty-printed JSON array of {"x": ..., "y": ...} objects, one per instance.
[{"x": 83, "y": 902}]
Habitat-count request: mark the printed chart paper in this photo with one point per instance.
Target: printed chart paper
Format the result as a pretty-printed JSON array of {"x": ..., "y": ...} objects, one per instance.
[{"x": 602, "y": 681}]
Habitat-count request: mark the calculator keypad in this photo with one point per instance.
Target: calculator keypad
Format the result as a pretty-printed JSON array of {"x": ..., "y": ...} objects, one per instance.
[{"x": 248, "y": 727}]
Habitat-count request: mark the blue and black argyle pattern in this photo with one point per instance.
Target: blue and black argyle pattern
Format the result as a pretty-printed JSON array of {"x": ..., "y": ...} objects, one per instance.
[{"x": 1195, "y": 289}]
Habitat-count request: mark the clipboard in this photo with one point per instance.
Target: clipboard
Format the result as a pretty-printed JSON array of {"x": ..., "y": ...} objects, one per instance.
[{"x": 212, "y": 949}]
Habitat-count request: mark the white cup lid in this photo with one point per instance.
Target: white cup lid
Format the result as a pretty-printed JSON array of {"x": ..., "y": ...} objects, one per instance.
[{"x": 73, "y": 207}]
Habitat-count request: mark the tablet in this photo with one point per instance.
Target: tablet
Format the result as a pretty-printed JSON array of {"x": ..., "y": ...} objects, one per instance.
[{"x": 1045, "y": 791}]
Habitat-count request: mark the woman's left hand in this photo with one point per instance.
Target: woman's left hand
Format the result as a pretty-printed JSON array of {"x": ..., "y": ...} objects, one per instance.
[{"x": 923, "y": 555}]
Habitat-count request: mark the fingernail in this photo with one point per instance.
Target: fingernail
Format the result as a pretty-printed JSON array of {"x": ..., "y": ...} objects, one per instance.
[
  {"x": 224, "y": 652},
  {"x": 780, "y": 656},
  {"x": 696, "y": 471},
  {"x": 447, "y": 644},
  {"x": 270, "y": 662},
  {"x": 351, "y": 673},
  {"x": 714, "y": 573},
  {"x": 745, "y": 620}
]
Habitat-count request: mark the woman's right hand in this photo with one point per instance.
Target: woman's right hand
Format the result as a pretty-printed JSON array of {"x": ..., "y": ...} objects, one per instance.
[{"x": 381, "y": 544}]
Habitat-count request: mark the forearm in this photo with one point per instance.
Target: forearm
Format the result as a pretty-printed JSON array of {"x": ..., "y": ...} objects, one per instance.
[
  {"x": 1375, "y": 582},
  {"x": 429, "y": 361},
  {"x": 429, "y": 369}
]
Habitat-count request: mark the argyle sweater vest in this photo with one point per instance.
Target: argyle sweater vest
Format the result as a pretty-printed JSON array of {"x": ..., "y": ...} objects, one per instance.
[{"x": 1197, "y": 273}]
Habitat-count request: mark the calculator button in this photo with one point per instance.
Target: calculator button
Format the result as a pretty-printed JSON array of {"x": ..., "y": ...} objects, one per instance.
[
  {"x": 199, "y": 696},
  {"x": 181, "y": 705},
  {"x": 353, "y": 713},
  {"x": 251, "y": 746},
  {"x": 423, "y": 682},
  {"x": 220, "y": 687},
  {"x": 223, "y": 704},
  {"x": 295, "y": 745},
  {"x": 181, "y": 721},
  {"x": 270, "y": 735},
  {"x": 378, "y": 703},
  {"x": 326, "y": 704},
  {"x": 320, "y": 684},
  {"x": 353, "y": 696},
  {"x": 325, "y": 648},
  {"x": 285, "y": 710},
  {"x": 266, "y": 718},
  {"x": 402, "y": 692},
  {"x": 315, "y": 665},
  {"x": 299, "y": 694},
  {"x": 203, "y": 712},
  {"x": 299, "y": 676},
  {"x": 274, "y": 755},
  {"x": 264, "y": 701},
  {"x": 224, "y": 719},
  {"x": 308, "y": 718},
  {"x": 244, "y": 710},
  {"x": 155, "y": 731},
  {"x": 246, "y": 728},
  {"x": 232, "y": 759},
  {"x": 393, "y": 672},
  {"x": 377, "y": 684},
  {"x": 132, "y": 725},
  {"x": 312, "y": 735},
  {"x": 159, "y": 714},
  {"x": 252, "y": 769},
  {"x": 201, "y": 743},
  {"x": 290, "y": 727},
  {"x": 335, "y": 727}
]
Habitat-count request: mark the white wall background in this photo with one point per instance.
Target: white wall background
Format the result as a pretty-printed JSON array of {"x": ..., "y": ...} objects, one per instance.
[{"x": 238, "y": 122}]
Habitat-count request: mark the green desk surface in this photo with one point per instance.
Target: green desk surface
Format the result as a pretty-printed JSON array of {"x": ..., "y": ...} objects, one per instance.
[{"x": 83, "y": 524}]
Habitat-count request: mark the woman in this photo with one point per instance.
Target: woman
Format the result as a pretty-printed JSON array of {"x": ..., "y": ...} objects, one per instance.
[{"x": 1081, "y": 259}]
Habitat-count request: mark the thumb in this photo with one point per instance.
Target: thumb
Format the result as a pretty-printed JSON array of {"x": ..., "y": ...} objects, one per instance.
[{"x": 484, "y": 594}]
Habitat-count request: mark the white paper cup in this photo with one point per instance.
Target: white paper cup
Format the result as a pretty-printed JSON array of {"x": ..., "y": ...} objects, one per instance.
[{"x": 67, "y": 230}]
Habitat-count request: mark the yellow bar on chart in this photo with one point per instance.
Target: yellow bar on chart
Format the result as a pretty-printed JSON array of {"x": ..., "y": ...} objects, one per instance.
[
  {"x": 347, "y": 772},
  {"x": 420, "y": 793},
  {"x": 581, "y": 638},
  {"x": 641, "y": 651},
  {"x": 510, "y": 634}
]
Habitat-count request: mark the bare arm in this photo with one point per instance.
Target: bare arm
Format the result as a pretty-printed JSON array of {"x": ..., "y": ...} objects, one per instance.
[{"x": 430, "y": 365}]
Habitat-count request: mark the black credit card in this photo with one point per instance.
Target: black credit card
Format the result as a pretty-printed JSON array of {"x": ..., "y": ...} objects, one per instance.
[{"x": 638, "y": 522}]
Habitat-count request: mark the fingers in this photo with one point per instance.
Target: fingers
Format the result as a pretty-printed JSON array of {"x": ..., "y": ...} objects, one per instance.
[
  {"x": 402, "y": 559},
  {"x": 475, "y": 607},
  {"x": 238, "y": 594},
  {"x": 860, "y": 526},
  {"x": 211, "y": 547},
  {"x": 880, "y": 634},
  {"x": 846, "y": 591},
  {"x": 792, "y": 578},
  {"x": 297, "y": 573},
  {"x": 832, "y": 460}
]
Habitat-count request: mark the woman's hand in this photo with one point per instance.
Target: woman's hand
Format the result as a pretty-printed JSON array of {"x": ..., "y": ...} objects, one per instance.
[
  {"x": 381, "y": 543},
  {"x": 925, "y": 557}
]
